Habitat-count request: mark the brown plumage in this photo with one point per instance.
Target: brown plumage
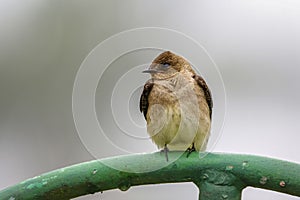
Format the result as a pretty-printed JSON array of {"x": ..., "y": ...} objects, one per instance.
[{"x": 176, "y": 104}]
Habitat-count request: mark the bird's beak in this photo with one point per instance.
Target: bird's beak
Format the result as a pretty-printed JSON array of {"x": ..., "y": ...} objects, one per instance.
[
  {"x": 153, "y": 69},
  {"x": 150, "y": 71}
]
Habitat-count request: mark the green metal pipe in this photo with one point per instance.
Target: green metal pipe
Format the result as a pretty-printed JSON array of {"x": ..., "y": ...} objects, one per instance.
[{"x": 224, "y": 175}]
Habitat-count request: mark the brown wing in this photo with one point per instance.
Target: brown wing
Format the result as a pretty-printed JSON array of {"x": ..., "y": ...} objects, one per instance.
[
  {"x": 144, "y": 98},
  {"x": 200, "y": 81}
]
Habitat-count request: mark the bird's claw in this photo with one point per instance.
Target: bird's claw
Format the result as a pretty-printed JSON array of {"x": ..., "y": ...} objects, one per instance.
[
  {"x": 190, "y": 150},
  {"x": 165, "y": 150}
]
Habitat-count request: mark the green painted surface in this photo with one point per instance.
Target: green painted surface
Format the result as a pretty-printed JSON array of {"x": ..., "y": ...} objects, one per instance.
[{"x": 219, "y": 176}]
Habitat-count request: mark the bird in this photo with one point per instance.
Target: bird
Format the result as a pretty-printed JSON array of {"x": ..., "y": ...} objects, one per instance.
[{"x": 177, "y": 105}]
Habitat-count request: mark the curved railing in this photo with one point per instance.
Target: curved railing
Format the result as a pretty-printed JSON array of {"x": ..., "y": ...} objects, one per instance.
[{"x": 217, "y": 175}]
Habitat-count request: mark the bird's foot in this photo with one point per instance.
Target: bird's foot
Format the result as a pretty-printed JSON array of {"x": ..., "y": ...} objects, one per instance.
[
  {"x": 165, "y": 150},
  {"x": 190, "y": 150}
]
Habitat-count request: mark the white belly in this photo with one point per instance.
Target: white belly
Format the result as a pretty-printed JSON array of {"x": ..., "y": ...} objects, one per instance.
[{"x": 181, "y": 123}]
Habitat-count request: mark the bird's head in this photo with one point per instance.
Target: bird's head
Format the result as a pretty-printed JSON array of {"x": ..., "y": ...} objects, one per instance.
[{"x": 167, "y": 65}]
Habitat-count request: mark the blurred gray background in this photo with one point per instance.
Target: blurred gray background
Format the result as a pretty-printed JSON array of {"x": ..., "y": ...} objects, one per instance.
[{"x": 255, "y": 44}]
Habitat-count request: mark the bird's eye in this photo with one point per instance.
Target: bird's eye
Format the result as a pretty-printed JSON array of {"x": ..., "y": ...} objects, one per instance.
[{"x": 166, "y": 64}]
